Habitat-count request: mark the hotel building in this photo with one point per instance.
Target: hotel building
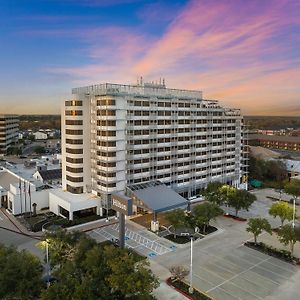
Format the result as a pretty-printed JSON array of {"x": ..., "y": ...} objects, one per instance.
[
  {"x": 9, "y": 127},
  {"x": 116, "y": 136}
]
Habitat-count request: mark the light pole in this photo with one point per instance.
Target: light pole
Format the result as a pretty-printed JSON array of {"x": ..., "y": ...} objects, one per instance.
[
  {"x": 294, "y": 212},
  {"x": 48, "y": 266},
  {"x": 191, "y": 289}
]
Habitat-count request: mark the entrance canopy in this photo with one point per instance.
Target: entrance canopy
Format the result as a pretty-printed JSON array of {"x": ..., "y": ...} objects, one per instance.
[{"x": 156, "y": 196}]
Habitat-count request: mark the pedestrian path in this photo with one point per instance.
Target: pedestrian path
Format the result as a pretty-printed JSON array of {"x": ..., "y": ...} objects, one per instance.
[{"x": 142, "y": 241}]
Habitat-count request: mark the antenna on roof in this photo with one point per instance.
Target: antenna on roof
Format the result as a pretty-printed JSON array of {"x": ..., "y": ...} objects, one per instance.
[{"x": 141, "y": 82}]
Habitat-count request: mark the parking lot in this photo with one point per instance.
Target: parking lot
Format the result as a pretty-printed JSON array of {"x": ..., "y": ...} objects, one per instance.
[
  {"x": 242, "y": 274},
  {"x": 225, "y": 269},
  {"x": 137, "y": 238}
]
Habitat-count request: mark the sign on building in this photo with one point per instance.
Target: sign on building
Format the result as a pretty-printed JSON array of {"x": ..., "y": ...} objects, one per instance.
[{"x": 122, "y": 204}]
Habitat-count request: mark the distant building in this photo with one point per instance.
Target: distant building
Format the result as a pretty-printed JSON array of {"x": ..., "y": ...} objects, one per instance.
[
  {"x": 22, "y": 185},
  {"x": 39, "y": 135},
  {"x": 48, "y": 176},
  {"x": 9, "y": 127},
  {"x": 282, "y": 142}
]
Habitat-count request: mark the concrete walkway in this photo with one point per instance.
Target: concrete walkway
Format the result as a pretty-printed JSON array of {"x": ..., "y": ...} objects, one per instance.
[{"x": 164, "y": 291}]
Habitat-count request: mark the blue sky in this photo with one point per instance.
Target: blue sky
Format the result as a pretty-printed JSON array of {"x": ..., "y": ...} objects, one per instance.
[{"x": 245, "y": 53}]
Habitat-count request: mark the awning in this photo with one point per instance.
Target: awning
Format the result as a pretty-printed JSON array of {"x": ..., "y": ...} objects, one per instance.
[{"x": 157, "y": 196}]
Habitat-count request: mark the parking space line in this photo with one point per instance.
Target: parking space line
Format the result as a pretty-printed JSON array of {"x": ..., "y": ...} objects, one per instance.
[
  {"x": 196, "y": 275},
  {"x": 244, "y": 290},
  {"x": 283, "y": 277},
  {"x": 263, "y": 279},
  {"x": 252, "y": 267},
  {"x": 282, "y": 268},
  {"x": 233, "y": 297}
]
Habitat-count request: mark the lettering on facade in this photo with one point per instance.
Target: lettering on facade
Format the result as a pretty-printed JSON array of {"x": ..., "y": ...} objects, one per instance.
[{"x": 122, "y": 204}]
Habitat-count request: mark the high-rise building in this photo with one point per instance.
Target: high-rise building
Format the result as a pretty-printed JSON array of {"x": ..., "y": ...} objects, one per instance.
[
  {"x": 9, "y": 127},
  {"x": 115, "y": 136}
]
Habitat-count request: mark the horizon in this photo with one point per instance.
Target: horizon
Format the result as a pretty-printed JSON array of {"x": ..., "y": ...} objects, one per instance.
[{"x": 244, "y": 54}]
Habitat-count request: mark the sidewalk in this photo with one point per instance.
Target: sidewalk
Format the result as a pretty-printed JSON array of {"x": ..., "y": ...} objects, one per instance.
[
  {"x": 164, "y": 291},
  {"x": 20, "y": 228}
]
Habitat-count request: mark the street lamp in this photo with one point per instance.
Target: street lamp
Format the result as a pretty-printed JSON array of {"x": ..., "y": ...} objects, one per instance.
[
  {"x": 191, "y": 235},
  {"x": 46, "y": 244},
  {"x": 294, "y": 212},
  {"x": 191, "y": 289}
]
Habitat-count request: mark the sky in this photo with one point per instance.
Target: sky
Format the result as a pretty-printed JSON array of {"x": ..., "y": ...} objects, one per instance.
[{"x": 244, "y": 53}]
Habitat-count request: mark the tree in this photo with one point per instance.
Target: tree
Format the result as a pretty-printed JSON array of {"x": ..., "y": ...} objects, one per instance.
[
  {"x": 39, "y": 150},
  {"x": 257, "y": 226},
  {"x": 177, "y": 219},
  {"x": 96, "y": 271},
  {"x": 212, "y": 192},
  {"x": 128, "y": 276},
  {"x": 179, "y": 272},
  {"x": 282, "y": 210},
  {"x": 62, "y": 245},
  {"x": 293, "y": 188},
  {"x": 20, "y": 276},
  {"x": 241, "y": 199},
  {"x": 227, "y": 192},
  {"x": 288, "y": 235},
  {"x": 204, "y": 213}
]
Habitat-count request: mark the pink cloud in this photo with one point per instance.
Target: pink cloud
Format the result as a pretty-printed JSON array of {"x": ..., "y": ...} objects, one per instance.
[{"x": 237, "y": 51}]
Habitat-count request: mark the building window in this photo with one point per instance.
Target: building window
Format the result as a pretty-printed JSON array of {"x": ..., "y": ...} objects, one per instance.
[
  {"x": 74, "y": 179},
  {"x": 74, "y": 142},
  {"x": 74, "y": 151},
  {"x": 74, "y": 132},
  {"x": 74, "y": 170},
  {"x": 73, "y": 103},
  {"x": 74, "y": 160},
  {"x": 75, "y": 190},
  {"x": 74, "y": 122},
  {"x": 73, "y": 112}
]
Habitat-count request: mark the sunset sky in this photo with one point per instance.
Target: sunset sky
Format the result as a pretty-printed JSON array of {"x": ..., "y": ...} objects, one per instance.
[{"x": 245, "y": 53}]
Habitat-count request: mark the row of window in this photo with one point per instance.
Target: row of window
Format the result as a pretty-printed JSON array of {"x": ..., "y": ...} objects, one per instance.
[
  {"x": 104, "y": 102},
  {"x": 107, "y": 185},
  {"x": 106, "y": 123},
  {"x": 74, "y": 160},
  {"x": 146, "y": 142},
  {"x": 176, "y": 122},
  {"x": 74, "y": 122},
  {"x": 74, "y": 179},
  {"x": 73, "y": 112},
  {"x": 75, "y": 190},
  {"x": 74, "y": 131},
  {"x": 106, "y": 143},
  {"x": 106, "y": 164},
  {"x": 73, "y": 103},
  {"x": 74, "y": 141},
  {"x": 106, "y": 112},
  {"x": 162, "y": 176},
  {"x": 143, "y": 170},
  {"x": 106, "y": 154},
  {"x": 106, "y": 133},
  {"x": 74, "y": 170},
  {"x": 106, "y": 174},
  {"x": 74, "y": 151},
  {"x": 170, "y": 113}
]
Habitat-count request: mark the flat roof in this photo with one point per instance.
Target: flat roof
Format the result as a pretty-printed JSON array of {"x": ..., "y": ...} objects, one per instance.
[{"x": 157, "y": 196}]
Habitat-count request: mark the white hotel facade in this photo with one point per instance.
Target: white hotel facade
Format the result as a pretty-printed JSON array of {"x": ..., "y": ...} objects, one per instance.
[{"x": 115, "y": 136}]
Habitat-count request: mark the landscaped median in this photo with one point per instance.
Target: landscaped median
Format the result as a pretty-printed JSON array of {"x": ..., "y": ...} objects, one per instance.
[
  {"x": 269, "y": 250},
  {"x": 183, "y": 288}
]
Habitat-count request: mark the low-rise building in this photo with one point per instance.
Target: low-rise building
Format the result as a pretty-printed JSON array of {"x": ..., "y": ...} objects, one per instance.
[{"x": 281, "y": 142}]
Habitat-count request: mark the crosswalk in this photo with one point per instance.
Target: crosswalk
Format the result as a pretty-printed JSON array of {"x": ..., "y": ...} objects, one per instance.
[{"x": 136, "y": 239}]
